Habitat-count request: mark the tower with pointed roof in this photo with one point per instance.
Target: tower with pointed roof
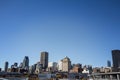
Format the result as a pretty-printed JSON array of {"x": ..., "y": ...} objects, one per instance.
[{"x": 66, "y": 64}]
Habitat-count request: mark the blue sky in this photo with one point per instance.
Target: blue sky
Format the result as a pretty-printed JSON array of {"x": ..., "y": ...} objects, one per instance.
[{"x": 84, "y": 30}]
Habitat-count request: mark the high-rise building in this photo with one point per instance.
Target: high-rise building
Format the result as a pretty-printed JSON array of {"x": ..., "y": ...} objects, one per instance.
[
  {"x": 31, "y": 69},
  {"x": 6, "y": 66},
  {"x": 66, "y": 64},
  {"x": 34, "y": 67},
  {"x": 25, "y": 63},
  {"x": 116, "y": 59},
  {"x": 108, "y": 63},
  {"x": 44, "y": 59},
  {"x": 59, "y": 65}
]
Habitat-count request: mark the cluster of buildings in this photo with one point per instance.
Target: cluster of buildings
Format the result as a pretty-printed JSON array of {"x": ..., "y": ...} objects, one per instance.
[
  {"x": 64, "y": 65},
  {"x": 23, "y": 67},
  {"x": 115, "y": 67}
]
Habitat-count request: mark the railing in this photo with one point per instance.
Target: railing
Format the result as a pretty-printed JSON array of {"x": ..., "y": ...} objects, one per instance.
[{"x": 104, "y": 79}]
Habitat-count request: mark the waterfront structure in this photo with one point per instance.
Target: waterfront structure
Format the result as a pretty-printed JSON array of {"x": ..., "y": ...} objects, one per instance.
[
  {"x": 25, "y": 63},
  {"x": 66, "y": 64},
  {"x": 108, "y": 63},
  {"x": 44, "y": 59},
  {"x": 106, "y": 76},
  {"x": 102, "y": 70},
  {"x": 116, "y": 60},
  {"x": 6, "y": 66}
]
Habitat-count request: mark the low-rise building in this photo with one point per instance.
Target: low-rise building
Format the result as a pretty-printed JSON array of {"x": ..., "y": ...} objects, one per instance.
[{"x": 52, "y": 66}]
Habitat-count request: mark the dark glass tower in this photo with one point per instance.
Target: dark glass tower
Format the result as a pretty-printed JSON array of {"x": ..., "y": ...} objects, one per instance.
[
  {"x": 0, "y": 69},
  {"x": 116, "y": 58},
  {"x": 6, "y": 66},
  {"x": 26, "y": 63},
  {"x": 108, "y": 63},
  {"x": 44, "y": 59}
]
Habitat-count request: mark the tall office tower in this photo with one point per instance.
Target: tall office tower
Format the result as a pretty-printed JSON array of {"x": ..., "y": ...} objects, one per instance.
[
  {"x": 116, "y": 58},
  {"x": 108, "y": 63},
  {"x": 25, "y": 63},
  {"x": 6, "y": 66},
  {"x": 44, "y": 59}
]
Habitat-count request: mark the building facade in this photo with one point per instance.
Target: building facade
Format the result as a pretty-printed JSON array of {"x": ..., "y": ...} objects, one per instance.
[
  {"x": 116, "y": 60},
  {"x": 6, "y": 66},
  {"x": 25, "y": 63},
  {"x": 66, "y": 64},
  {"x": 44, "y": 59},
  {"x": 38, "y": 68},
  {"x": 52, "y": 66},
  {"x": 59, "y": 66},
  {"x": 76, "y": 68},
  {"x": 108, "y": 63}
]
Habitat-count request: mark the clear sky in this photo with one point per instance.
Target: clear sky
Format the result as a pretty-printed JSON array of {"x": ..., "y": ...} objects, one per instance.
[{"x": 84, "y": 30}]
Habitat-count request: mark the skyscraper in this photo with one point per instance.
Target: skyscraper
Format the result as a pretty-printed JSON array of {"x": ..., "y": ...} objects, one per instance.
[
  {"x": 25, "y": 63},
  {"x": 44, "y": 59},
  {"x": 66, "y": 64},
  {"x": 116, "y": 59},
  {"x": 6, "y": 66},
  {"x": 108, "y": 63}
]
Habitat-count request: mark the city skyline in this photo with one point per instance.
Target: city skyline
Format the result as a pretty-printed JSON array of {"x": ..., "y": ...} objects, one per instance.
[
  {"x": 85, "y": 31},
  {"x": 44, "y": 57}
]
